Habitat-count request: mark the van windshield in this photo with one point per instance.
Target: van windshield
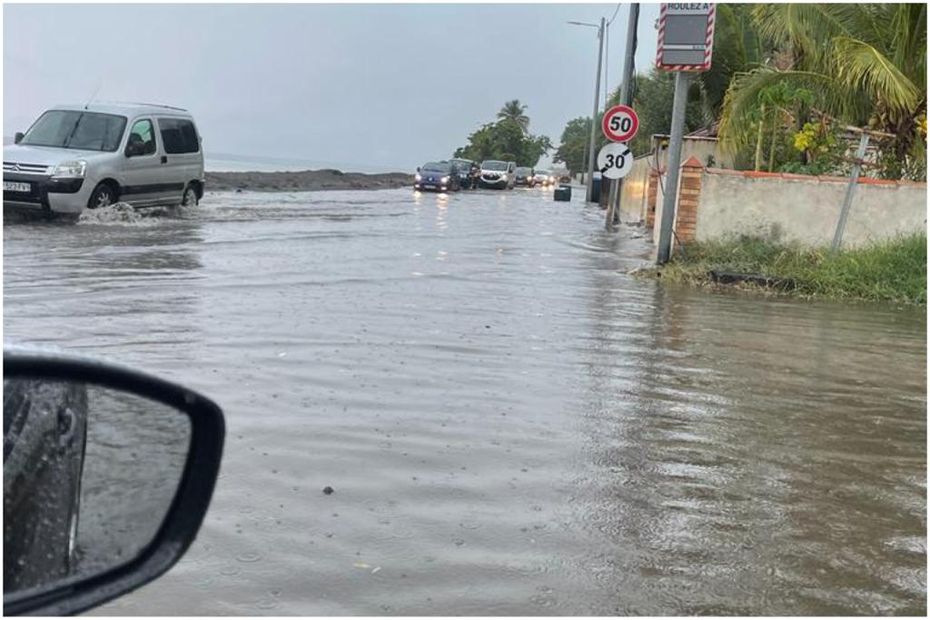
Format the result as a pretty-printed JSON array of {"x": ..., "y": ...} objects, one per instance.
[
  {"x": 76, "y": 129},
  {"x": 494, "y": 165}
]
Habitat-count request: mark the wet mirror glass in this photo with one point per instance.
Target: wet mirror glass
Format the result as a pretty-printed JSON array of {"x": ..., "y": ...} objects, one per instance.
[{"x": 89, "y": 473}]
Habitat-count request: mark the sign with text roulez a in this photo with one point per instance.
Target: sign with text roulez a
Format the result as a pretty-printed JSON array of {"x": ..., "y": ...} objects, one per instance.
[{"x": 686, "y": 36}]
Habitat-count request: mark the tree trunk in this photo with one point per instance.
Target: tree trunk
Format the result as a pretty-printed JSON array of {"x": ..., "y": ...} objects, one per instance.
[
  {"x": 758, "y": 164},
  {"x": 774, "y": 140}
]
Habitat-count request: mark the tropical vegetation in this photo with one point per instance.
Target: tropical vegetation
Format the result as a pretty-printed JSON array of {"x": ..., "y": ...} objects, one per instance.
[
  {"x": 506, "y": 139},
  {"x": 894, "y": 270},
  {"x": 786, "y": 82}
]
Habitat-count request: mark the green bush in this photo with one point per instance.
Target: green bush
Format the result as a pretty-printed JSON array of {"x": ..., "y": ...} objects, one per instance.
[{"x": 893, "y": 270}]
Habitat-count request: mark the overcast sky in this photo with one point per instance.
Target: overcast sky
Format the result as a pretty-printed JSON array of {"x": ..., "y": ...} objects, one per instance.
[{"x": 374, "y": 86}]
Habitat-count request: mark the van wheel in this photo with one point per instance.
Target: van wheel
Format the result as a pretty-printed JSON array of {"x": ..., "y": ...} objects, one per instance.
[
  {"x": 102, "y": 196},
  {"x": 190, "y": 197}
]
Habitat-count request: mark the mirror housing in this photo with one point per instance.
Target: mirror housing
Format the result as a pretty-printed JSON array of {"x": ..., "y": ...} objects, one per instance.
[
  {"x": 179, "y": 527},
  {"x": 418, "y": 168},
  {"x": 18, "y": 137}
]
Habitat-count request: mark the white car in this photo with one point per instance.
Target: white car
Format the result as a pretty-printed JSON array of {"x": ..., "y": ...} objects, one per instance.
[{"x": 76, "y": 157}]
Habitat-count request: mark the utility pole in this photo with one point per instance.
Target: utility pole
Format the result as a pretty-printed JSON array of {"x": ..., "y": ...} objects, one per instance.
[
  {"x": 685, "y": 44},
  {"x": 584, "y": 160},
  {"x": 850, "y": 191},
  {"x": 682, "y": 80},
  {"x": 597, "y": 95},
  {"x": 626, "y": 98}
]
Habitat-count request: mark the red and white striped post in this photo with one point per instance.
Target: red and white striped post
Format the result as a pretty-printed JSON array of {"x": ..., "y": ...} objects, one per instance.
[{"x": 685, "y": 46}]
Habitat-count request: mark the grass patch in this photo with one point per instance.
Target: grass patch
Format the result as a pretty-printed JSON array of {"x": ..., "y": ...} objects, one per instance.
[{"x": 893, "y": 271}]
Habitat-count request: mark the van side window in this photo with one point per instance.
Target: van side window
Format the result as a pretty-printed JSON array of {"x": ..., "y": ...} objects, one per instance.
[
  {"x": 143, "y": 132},
  {"x": 179, "y": 135}
]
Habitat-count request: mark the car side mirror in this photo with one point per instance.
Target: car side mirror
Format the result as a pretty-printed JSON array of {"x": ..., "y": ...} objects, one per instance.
[
  {"x": 134, "y": 149},
  {"x": 107, "y": 475},
  {"x": 418, "y": 168},
  {"x": 18, "y": 137}
]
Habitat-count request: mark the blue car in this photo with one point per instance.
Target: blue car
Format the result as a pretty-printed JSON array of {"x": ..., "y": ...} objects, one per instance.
[{"x": 438, "y": 177}]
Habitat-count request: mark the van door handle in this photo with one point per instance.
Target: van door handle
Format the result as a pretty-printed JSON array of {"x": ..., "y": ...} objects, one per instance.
[{"x": 164, "y": 159}]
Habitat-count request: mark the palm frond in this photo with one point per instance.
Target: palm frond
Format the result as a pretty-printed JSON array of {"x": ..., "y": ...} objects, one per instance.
[
  {"x": 739, "y": 120},
  {"x": 862, "y": 66}
]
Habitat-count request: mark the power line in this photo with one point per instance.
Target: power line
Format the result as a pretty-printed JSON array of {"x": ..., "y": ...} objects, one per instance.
[{"x": 610, "y": 21}]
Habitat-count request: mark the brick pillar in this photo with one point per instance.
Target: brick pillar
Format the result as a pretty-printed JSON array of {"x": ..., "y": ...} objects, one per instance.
[
  {"x": 651, "y": 193},
  {"x": 689, "y": 195}
]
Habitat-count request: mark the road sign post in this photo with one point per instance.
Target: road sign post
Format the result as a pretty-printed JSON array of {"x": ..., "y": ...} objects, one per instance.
[
  {"x": 626, "y": 97},
  {"x": 614, "y": 160},
  {"x": 685, "y": 44},
  {"x": 620, "y": 123}
]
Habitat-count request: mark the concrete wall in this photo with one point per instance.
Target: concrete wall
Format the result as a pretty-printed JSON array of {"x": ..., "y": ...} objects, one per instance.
[
  {"x": 634, "y": 198},
  {"x": 805, "y": 209},
  {"x": 706, "y": 150},
  {"x": 633, "y": 193}
]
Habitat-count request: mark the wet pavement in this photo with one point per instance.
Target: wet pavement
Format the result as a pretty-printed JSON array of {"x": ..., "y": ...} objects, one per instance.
[{"x": 510, "y": 423}]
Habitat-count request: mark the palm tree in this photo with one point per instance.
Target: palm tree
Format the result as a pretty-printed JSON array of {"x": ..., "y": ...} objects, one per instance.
[
  {"x": 515, "y": 111},
  {"x": 865, "y": 63}
]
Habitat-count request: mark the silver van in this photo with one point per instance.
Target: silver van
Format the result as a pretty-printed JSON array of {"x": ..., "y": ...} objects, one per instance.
[
  {"x": 497, "y": 174},
  {"x": 77, "y": 157}
]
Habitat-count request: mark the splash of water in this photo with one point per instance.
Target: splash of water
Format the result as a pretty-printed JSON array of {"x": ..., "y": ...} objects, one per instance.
[{"x": 119, "y": 213}]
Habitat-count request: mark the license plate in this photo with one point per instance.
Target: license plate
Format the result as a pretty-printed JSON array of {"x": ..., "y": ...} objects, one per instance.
[
  {"x": 429, "y": 187},
  {"x": 11, "y": 186}
]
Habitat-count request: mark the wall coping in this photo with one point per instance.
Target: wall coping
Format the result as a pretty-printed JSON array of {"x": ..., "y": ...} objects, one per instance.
[{"x": 752, "y": 174}]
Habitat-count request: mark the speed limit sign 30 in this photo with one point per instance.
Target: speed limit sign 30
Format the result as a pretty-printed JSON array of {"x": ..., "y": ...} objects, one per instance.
[
  {"x": 620, "y": 123},
  {"x": 615, "y": 160}
]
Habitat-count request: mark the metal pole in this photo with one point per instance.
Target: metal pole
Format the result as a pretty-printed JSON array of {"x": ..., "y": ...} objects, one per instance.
[
  {"x": 682, "y": 79},
  {"x": 850, "y": 192},
  {"x": 584, "y": 161},
  {"x": 597, "y": 94},
  {"x": 626, "y": 98}
]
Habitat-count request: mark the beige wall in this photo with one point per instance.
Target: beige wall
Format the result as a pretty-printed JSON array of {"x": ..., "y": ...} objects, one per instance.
[
  {"x": 635, "y": 184},
  {"x": 702, "y": 148},
  {"x": 633, "y": 193},
  {"x": 791, "y": 208}
]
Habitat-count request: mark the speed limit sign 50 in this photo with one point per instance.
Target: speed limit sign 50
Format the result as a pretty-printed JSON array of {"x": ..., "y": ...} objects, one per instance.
[
  {"x": 620, "y": 123},
  {"x": 615, "y": 160}
]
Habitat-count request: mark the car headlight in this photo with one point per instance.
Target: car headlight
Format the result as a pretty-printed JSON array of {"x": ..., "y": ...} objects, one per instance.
[
  {"x": 70, "y": 169},
  {"x": 444, "y": 180},
  {"x": 417, "y": 177}
]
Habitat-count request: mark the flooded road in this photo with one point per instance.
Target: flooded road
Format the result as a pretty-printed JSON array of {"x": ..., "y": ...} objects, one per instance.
[{"x": 511, "y": 424}]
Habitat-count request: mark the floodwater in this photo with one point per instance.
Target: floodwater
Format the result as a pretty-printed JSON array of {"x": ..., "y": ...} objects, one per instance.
[{"x": 510, "y": 422}]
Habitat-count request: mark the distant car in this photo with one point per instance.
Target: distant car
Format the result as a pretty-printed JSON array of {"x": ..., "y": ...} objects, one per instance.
[
  {"x": 544, "y": 178},
  {"x": 497, "y": 174},
  {"x": 524, "y": 176},
  {"x": 437, "y": 176},
  {"x": 88, "y": 156},
  {"x": 468, "y": 173}
]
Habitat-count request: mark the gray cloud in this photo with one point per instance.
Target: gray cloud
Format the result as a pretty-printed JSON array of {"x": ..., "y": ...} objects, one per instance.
[{"x": 379, "y": 86}]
